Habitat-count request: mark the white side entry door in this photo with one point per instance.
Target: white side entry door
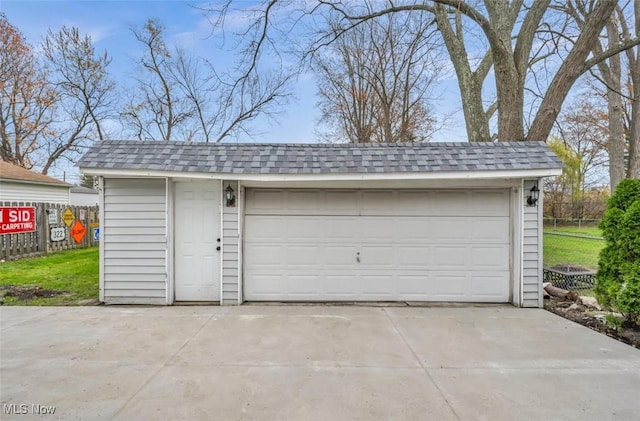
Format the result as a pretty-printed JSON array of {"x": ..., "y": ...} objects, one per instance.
[{"x": 197, "y": 239}]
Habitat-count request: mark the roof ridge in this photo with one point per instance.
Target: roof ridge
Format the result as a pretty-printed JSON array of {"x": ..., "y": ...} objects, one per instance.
[{"x": 322, "y": 145}]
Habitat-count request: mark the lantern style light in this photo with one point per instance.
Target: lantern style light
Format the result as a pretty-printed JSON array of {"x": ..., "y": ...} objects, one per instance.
[
  {"x": 230, "y": 196},
  {"x": 534, "y": 194}
]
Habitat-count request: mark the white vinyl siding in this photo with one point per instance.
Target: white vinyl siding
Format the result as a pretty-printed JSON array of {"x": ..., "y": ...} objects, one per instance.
[
  {"x": 531, "y": 251},
  {"x": 27, "y": 192},
  {"x": 230, "y": 247},
  {"x": 83, "y": 199},
  {"x": 135, "y": 242},
  {"x": 372, "y": 245}
]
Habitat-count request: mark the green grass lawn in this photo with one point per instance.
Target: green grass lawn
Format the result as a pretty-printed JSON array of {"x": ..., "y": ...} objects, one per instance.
[
  {"x": 73, "y": 272},
  {"x": 589, "y": 231},
  {"x": 571, "y": 250}
]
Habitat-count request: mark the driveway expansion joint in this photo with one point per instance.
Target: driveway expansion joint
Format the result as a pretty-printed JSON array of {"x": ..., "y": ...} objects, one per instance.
[{"x": 425, "y": 369}]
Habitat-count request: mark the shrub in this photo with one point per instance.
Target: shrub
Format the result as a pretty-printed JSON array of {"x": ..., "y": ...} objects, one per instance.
[
  {"x": 618, "y": 277},
  {"x": 613, "y": 322}
]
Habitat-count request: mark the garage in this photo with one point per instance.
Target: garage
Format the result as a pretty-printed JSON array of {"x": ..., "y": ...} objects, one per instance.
[
  {"x": 377, "y": 245},
  {"x": 242, "y": 222}
]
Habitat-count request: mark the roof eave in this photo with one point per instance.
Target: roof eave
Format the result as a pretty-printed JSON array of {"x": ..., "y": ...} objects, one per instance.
[
  {"x": 435, "y": 175},
  {"x": 40, "y": 183}
]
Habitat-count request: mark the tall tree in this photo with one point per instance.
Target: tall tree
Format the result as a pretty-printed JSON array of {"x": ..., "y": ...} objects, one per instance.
[
  {"x": 508, "y": 29},
  {"x": 27, "y": 100},
  {"x": 52, "y": 104},
  {"x": 375, "y": 81},
  {"x": 85, "y": 93},
  {"x": 157, "y": 109},
  {"x": 582, "y": 129},
  {"x": 558, "y": 189},
  {"x": 621, "y": 94},
  {"x": 179, "y": 96}
]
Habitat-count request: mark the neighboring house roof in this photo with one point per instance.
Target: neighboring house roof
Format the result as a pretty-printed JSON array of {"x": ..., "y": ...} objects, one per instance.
[
  {"x": 11, "y": 172},
  {"x": 302, "y": 159},
  {"x": 83, "y": 190}
]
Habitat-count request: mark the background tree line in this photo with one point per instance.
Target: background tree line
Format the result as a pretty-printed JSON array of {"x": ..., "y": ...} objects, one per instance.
[
  {"x": 378, "y": 65},
  {"x": 58, "y": 98}
]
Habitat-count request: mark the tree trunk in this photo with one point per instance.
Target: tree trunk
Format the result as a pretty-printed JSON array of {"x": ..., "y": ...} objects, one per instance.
[
  {"x": 476, "y": 121},
  {"x": 634, "y": 138},
  {"x": 509, "y": 83},
  {"x": 612, "y": 73},
  {"x": 510, "y": 98},
  {"x": 634, "y": 129},
  {"x": 616, "y": 136},
  {"x": 474, "y": 114},
  {"x": 570, "y": 70}
]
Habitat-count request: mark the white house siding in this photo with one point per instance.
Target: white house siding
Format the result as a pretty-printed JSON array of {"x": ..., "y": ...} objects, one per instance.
[
  {"x": 135, "y": 241},
  {"x": 230, "y": 247},
  {"x": 83, "y": 199},
  {"x": 27, "y": 192},
  {"x": 531, "y": 250}
]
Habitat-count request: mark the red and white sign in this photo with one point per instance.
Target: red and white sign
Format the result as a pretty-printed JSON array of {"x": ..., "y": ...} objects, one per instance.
[{"x": 14, "y": 220}]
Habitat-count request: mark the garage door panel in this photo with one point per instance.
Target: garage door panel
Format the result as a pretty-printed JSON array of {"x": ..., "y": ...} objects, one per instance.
[
  {"x": 490, "y": 230},
  {"x": 413, "y": 202},
  {"x": 264, "y": 255},
  {"x": 339, "y": 256},
  {"x": 303, "y": 200},
  {"x": 265, "y": 200},
  {"x": 377, "y": 202},
  {"x": 410, "y": 246},
  {"x": 414, "y": 257},
  {"x": 306, "y": 256},
  {"x": 344, "y": 201},
  {"x": 491, "y": 286},
  {"x": 448, "y": 287},
  {"x": 377, "y": 287},
  {"x": 490, "y": 203},
  {"x": 303, "y": 228},
  {"x": 377, "y": 256},
  {"x": 340, "y": 229},
  {"x": 412, "y": 229},
  {"x": 263, "y": 228},
  {"x": 340, "y": 286},
  {"x": 267, "y": 286},
  {"x": 301, "y": 286},
  {"x": 413, "y": 287},
  {"x": 490, "y": 257},
  {"x": 377, "y": 229},
  {"x": 447, "y": 230},
  {"x": 450, "y": 257},
  {"x": 452, "y": 203}
]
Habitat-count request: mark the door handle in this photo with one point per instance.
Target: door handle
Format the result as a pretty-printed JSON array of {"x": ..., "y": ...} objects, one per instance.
[
  {"x": 358, "y": 257},
  {"x": 218, "y": 248}
]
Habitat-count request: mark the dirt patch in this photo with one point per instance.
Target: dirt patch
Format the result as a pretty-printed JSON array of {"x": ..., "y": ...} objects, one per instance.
[
  {"x": 27, "y": 292},
  {"x": 592, "y": 318}
]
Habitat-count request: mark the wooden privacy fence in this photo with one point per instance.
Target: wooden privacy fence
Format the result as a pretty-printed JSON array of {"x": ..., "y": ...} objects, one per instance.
[{"x": 57, "y": 227}]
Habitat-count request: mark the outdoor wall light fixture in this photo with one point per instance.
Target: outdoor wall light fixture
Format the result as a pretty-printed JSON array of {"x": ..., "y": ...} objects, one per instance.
[
  {"x": 230, "y": 196},
  {"x": 534, "y": 193}
]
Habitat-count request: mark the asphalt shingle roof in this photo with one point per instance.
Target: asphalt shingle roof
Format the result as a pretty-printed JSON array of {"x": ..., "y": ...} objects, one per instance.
[
  {"x": 10, "y": 171},
  {"x": 252, "y": 158}
]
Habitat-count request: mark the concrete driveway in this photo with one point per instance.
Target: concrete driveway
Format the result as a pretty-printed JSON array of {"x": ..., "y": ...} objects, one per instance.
[{"x": 311, "y": 363}]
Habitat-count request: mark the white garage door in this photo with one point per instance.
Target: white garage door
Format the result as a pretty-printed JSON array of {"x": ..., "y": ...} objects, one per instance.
[{"x": 372, "y": 245}]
